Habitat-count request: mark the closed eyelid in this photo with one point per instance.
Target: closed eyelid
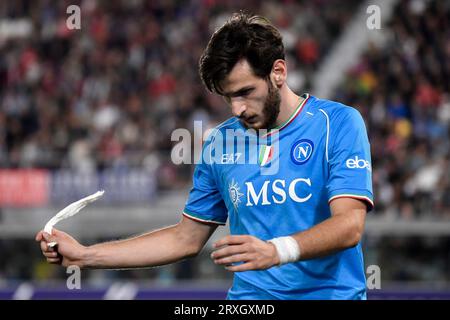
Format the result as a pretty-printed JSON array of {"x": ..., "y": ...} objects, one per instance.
[
  {"x": 239, "y": 93},
  {"x": 243, "y": 92}
]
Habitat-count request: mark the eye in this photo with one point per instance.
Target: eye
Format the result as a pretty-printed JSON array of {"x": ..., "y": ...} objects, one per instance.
[
  {"x": 238, "y": 94},
  {"x": 245, "y": 92}
]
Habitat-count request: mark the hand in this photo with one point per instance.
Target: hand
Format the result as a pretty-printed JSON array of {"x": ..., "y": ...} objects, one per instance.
[
  {"x": 67, "y": 252},
  {"x": 255, "y": 253}
]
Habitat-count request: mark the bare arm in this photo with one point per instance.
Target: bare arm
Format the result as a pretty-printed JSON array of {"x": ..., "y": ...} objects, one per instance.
[
  {"x": 342, "y": 230},
  {"x": 159, "y": 247}
]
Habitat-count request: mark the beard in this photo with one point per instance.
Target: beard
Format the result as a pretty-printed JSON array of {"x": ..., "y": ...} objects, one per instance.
[
  {"x": 271, "y": 107},
  {"x": 270, "y": 110}
]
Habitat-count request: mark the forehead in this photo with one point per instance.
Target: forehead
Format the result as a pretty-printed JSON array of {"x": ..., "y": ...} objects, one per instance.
[{"x": 240, "y": 76}]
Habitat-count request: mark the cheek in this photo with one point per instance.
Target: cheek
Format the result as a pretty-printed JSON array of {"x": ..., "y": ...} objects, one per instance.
[{"x": 256, "y": 105}]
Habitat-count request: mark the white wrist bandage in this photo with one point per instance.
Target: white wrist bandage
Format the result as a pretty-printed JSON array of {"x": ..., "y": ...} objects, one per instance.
[{"x": 287, "y": 248}]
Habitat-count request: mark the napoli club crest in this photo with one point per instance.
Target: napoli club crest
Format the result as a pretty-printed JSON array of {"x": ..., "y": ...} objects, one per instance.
[{"x": 301, "y": 151}]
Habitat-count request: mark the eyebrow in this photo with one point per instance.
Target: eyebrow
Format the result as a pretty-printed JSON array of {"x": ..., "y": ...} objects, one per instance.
[{"x": 238, "y": 92}]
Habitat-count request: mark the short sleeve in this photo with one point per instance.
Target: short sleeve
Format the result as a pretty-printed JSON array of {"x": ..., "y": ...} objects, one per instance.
[
  {"x": 205, "y": 202},
  {"x": 349, "y": 158}
]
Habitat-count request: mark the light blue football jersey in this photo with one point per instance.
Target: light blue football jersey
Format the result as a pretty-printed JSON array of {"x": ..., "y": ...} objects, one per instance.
[{"x": 282, "y": 183}]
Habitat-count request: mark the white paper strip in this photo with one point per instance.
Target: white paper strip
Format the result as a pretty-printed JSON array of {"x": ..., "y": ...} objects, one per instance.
[{"x": 69, "y": 211}]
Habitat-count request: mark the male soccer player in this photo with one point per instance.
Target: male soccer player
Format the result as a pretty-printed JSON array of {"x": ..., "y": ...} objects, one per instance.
[{"x": 295, "y": 232}]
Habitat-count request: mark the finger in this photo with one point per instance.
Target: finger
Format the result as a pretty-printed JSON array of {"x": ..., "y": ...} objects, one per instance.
[
  {"x": 228, "y": 251},
  {"x": 242, "y": 267},
  {"x": 45, "y": 247},
  {"x": 50, "y": 254},
  {"x": 54, "y": 260},
  {"x": 231, "y": 240},
  {"x": 48, "y": 237},
  {"x": 39, "y": 236},
  {"x": 56, "y": 232},
  {"x": 236, "y": 258}
]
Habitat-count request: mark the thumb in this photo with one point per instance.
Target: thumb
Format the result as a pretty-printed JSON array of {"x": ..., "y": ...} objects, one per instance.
[
  {"x": 57, "y": 234},
  {"x": 39, "y": 236},
  {"x": 48, "y": 237}
]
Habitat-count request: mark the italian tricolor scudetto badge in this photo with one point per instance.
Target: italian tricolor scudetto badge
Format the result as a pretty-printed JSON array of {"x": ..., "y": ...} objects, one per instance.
[{"x": 265, "y": 155}]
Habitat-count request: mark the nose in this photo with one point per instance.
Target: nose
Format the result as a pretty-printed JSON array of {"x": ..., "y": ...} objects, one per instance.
[{"x": 238, "y": 107}]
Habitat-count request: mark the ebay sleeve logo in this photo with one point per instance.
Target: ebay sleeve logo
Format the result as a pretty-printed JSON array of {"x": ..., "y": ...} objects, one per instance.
[{"x": 357, "y": 163}]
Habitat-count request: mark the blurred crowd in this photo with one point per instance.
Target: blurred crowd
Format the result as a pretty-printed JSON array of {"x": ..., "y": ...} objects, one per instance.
[
  {"x": 111, "y": 93},
  {"x": 402, "y": 90}
]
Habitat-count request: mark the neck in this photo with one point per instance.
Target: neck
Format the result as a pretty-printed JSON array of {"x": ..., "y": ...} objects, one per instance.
[{"x": 289, "y": 102}]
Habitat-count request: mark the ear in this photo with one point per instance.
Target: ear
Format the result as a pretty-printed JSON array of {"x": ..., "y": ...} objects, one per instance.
[{"x": 278, "y": 74}]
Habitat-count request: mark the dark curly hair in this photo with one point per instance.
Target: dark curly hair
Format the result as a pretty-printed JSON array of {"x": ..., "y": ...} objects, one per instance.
[{"x": 246, "y": 36}]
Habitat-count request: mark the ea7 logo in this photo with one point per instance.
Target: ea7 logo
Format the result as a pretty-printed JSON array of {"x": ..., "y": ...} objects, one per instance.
[
  {"x": 358, "y": 163},
  {"x": 230, "y": 158}
]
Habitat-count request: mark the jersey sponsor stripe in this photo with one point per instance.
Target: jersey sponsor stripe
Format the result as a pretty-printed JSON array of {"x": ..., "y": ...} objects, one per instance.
[
  {"x": 202, "y": 220},
  {"x": 352, "y": 196}
]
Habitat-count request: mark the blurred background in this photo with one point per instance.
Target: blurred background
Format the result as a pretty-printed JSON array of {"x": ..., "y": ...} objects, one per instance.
[{"x": 94, "y": 108}]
